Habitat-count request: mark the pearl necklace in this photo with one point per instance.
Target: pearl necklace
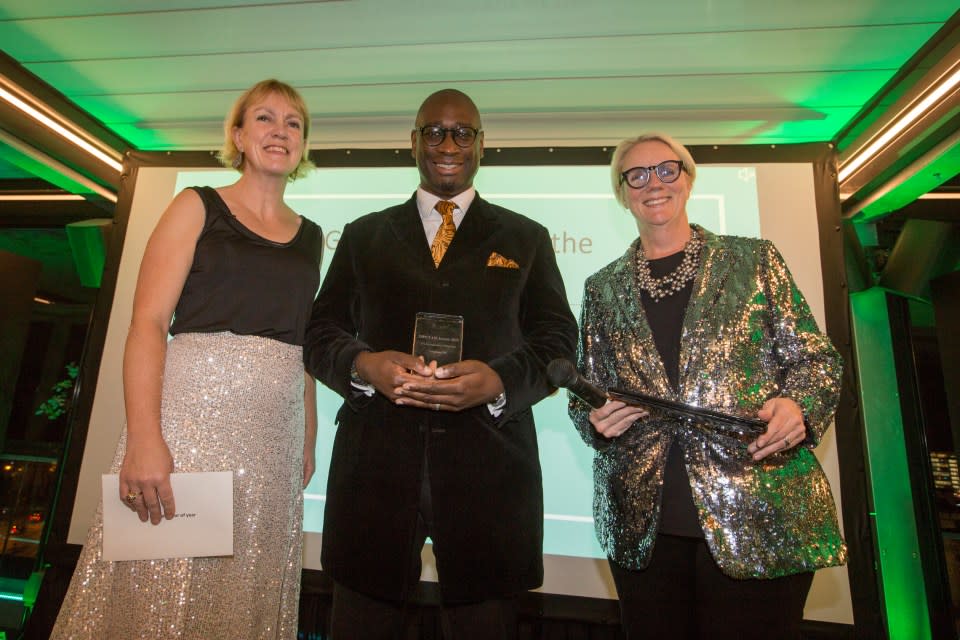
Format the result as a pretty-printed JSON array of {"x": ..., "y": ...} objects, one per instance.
[{"x": 660, "y": 288}]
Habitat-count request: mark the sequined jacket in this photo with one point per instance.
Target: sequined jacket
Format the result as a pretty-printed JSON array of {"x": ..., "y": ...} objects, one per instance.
[{"x": 748, "y": 335}]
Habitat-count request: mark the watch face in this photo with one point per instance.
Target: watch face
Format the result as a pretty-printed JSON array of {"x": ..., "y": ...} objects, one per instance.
[{"x": 355, "y": 375}]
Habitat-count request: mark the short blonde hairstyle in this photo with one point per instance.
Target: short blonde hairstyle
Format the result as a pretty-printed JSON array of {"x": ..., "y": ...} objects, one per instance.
[
  {"x": 229, "y": 154},
  {"x": 624, "y": 147}
]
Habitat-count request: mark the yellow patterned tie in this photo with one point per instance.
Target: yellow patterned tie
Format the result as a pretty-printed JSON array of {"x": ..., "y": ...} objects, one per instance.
[{"x": 445, "y": 233}]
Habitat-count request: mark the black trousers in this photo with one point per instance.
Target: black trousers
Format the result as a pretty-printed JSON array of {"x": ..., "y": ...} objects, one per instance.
[
  {"x": 357, "y": 616},
  {"x": 682, "y": 594}
]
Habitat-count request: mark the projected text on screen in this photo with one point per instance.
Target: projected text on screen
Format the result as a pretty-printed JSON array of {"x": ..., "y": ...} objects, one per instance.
[{"x": 588, "y": 229}]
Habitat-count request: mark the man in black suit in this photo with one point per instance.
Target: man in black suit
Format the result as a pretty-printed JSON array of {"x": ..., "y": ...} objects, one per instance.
[{"x": 448, "y": 451}]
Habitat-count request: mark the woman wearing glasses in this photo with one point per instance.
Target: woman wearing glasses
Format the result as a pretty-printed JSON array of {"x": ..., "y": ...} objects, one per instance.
[{"x": 709, "y": 532}]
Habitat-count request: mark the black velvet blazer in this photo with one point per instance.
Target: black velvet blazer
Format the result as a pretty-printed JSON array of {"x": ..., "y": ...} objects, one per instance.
[{"x": 484, "y": 473}]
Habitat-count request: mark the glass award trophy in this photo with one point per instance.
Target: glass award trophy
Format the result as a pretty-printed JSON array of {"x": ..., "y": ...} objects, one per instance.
[{"x": 439, "y": 337}]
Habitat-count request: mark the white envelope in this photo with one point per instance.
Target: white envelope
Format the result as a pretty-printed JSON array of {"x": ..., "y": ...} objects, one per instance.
[{"x": 202, "y": 526}]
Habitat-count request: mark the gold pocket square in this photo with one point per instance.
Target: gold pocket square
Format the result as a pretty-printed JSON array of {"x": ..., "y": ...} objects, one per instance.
[{"x": 497, "y": 260}]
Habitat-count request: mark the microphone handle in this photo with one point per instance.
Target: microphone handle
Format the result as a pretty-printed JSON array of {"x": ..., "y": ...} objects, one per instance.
[
  {"x": 562, "y": 373},
  {"x": 587, "y": 392}
]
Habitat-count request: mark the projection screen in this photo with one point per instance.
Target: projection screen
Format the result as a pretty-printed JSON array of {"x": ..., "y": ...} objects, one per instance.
[{"x": 770, "y": 199}]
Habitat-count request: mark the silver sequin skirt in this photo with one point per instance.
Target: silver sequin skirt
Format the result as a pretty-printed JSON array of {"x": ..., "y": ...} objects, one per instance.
[{"x": 229, "y": 403}]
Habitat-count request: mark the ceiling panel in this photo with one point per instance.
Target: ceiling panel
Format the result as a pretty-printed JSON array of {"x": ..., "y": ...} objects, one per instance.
[
  {"x": 818, "y": 50},
  {"x": 163, "y": 73},
  {"x": 121, "y": 32},
  {"x": 30, "y": 9},
  {"x": 711, "y": 104}
]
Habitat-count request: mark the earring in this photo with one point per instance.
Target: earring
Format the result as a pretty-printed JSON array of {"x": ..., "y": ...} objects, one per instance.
[{"x": 238, "y": 160}]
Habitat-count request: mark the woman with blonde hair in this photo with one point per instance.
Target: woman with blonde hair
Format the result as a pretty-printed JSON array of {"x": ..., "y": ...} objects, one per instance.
[
  {"x": 710, "y": 532},
  {"x": 231, "y": 274}
]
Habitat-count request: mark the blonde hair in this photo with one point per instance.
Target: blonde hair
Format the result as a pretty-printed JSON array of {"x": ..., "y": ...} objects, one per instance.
[
  {"x": 230, "y": 156},
  {"x": 624, "y": 147}
]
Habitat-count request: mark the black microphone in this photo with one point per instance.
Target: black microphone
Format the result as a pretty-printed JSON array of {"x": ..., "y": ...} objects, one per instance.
[{"x": 562, "y": 373}]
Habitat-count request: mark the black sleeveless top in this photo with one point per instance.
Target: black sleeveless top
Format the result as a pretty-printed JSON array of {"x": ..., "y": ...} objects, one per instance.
[{"x": 246, "y": 284}]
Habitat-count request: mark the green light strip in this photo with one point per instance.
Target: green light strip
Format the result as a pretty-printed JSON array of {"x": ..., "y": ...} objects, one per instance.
[
  {"x": 89, "y": 250},
  {"x": 898, "y": 553},
  {"x": 933, "y": 174}
]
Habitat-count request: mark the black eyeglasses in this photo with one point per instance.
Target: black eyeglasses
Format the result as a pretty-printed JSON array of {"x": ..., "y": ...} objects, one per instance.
[
  {"x": 637, "y": 177},
  {"x": 434, "y": 135}
]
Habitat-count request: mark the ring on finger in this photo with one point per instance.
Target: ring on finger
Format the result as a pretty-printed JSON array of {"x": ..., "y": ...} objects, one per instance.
[
  {"x": 131, "y": 497},
  {"x": 786, "y": 441},
  {"x": 436, "y": 407}
]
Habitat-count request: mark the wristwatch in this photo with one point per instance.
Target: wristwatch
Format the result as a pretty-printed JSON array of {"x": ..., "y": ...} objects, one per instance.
[{"x": 355, "y": 375}]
